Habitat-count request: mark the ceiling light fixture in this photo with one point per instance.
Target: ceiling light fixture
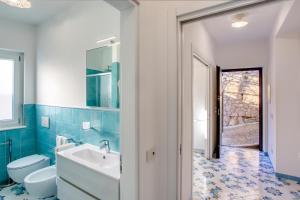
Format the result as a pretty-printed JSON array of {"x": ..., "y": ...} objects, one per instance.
[
  {"x": 18, "y": 3},
  {"x": 239, "y": 21}
]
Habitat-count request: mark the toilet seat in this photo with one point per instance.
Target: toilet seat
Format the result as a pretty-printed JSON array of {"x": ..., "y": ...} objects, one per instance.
[{"x": 26, "y": 162}]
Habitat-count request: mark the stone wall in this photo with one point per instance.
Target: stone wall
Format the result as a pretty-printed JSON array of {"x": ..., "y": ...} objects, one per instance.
[{"x": 240, "y": 97}]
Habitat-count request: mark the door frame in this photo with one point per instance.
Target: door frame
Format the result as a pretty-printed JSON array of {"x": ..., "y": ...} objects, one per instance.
[
  {"x": 260, "y": 102},
  {"x": 187, "y": 18},
  {"x": 129, "y": 145},
  {"x": 219, "y": 107}
]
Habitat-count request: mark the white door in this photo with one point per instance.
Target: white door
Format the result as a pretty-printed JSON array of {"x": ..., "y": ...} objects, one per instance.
[
  {"x": 200, "y": 106},
  {"x": 195, "y": 104},
  {"x": 195, "y": 119}
]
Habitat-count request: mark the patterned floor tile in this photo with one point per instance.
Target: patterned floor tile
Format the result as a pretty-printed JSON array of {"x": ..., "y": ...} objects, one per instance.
[
  {"x": 240, "y": 174},
  {"x": 18, "y": 192}
]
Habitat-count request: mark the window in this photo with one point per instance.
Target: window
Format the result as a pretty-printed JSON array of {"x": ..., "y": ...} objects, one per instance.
[{"x": 11, "y": 88}]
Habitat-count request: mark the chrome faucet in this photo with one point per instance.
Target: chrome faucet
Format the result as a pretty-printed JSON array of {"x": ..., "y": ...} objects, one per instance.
[
  {"x": 75, "y": 141},
  {"x": 104, "y": 144}
]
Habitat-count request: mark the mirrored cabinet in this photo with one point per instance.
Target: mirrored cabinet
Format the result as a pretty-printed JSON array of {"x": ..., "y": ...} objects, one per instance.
[{"x": 103, "y": 77}]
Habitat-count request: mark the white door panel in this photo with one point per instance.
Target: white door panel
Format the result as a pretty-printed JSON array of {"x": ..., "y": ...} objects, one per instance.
[
  {"x": 200, "y": 84},
  {"x": 200, "y": 105},
  {"x": 195, "y": 121}
]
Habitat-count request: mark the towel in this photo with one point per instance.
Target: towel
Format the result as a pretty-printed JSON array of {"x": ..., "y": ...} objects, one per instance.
[
  {"x": 60, "y": 140},
  {"x": 64, "y": 140}
]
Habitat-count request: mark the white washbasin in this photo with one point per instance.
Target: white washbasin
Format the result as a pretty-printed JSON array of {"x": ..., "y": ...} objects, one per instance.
[
  {"x": 91, "y": 157},
  {"x": 104, "y": 161},
  {"x": 91, "y": 170}
]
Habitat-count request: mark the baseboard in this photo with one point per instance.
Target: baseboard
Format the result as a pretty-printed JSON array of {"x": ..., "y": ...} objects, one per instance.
[{"x": 294, "y": 178}]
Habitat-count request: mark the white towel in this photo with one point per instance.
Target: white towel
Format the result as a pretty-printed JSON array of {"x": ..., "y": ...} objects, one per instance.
[
  {"x": 64, "y": 140},
  {"x": 58, "y": 140}
]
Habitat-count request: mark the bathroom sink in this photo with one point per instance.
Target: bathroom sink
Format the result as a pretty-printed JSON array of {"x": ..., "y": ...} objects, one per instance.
[
  {"x": 103, "y": 160},
  {"x": 91, "y": 170}
]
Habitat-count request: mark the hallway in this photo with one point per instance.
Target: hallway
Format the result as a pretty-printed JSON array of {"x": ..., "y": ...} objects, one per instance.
[{"x": 240, "y": 174}]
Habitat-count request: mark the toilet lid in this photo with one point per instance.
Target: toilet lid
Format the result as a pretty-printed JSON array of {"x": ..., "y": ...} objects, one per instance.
[{"x": 26, "y": 161}]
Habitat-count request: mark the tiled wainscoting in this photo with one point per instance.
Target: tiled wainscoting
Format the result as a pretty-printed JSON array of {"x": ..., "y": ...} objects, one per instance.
[
  {"x": 68, "y": 122},
  {"x": 23, "y": 141},
  {"x": 63, "y": 121}
]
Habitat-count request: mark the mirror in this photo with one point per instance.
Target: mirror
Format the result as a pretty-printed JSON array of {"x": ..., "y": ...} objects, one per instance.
[{"x": 103, "y": 77}]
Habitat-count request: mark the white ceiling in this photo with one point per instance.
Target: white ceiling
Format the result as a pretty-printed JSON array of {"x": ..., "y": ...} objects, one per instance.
[
  {"x": 40, "y": 11},
  {"x": 291, "y": 25},
  {"x": 261, "y": 22}
]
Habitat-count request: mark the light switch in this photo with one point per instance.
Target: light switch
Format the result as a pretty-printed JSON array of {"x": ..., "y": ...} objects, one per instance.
[
  {"x": 45, "y": 122},
  {"x": 150, "y": 154},
  {"x": 86, "y": 125}
]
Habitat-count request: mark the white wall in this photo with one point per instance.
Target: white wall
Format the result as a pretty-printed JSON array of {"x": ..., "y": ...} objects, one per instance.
[
  {"x": 248, "y": 54},
  {"x": 284, "y": 106},
  {"x": 197, "y": 40},
  {"x": 62, "y": 43},
  {"x": 128, "y": 125},
  {"x": 21, "y": 38},
  {"x": 287, "y": 75},
  {"x": 272, "y": 106},
  {"x": 157, "y": 95},
  {"x": 272, "y": 83},
  {"x": 245, "y": 54}
]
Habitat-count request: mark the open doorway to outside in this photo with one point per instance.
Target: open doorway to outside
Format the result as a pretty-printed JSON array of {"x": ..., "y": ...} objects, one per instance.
[
  {"x": 242, "y": 108},
  {"x": 235, "y": 105}
]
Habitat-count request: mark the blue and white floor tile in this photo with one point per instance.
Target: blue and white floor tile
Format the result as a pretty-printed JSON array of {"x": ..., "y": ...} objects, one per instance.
[
  {"x": 17, "y": 192},
  {"x": 240, "y": 174}
]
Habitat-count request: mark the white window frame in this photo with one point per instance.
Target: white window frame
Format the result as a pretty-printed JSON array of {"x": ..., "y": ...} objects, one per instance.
[{"x": 18, "y": 95}]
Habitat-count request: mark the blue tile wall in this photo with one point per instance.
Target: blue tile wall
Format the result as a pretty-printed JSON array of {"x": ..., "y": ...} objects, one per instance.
[
  {"x": 115, "y": 84},
  {"x": 95, "y": 92},
  {"x": 63, "y": 121},
  {"x": 68, "y": 122},
  {"x": 23, "y": 141},
  {"x": 92, "y": 93}
]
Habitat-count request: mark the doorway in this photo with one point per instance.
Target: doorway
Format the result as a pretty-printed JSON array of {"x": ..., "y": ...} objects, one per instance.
[
  {"x": 193, "y": 171},
  {"x": 242, "y": 116}
]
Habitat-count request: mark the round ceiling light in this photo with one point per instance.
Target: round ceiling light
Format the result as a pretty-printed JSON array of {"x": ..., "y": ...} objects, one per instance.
[
  {"x": 18, "y": 3},
  {"x": 239, "y": 21}
]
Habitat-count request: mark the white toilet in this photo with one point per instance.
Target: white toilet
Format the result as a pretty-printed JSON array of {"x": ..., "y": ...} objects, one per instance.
[
  {"x": 41, "y": 183},
  {"x": 34, "y": 171},
  {"x": 19, "y": 169}
]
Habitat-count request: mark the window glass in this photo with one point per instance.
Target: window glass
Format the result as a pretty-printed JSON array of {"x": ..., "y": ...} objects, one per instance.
[{"x": 6, "y": 89}]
